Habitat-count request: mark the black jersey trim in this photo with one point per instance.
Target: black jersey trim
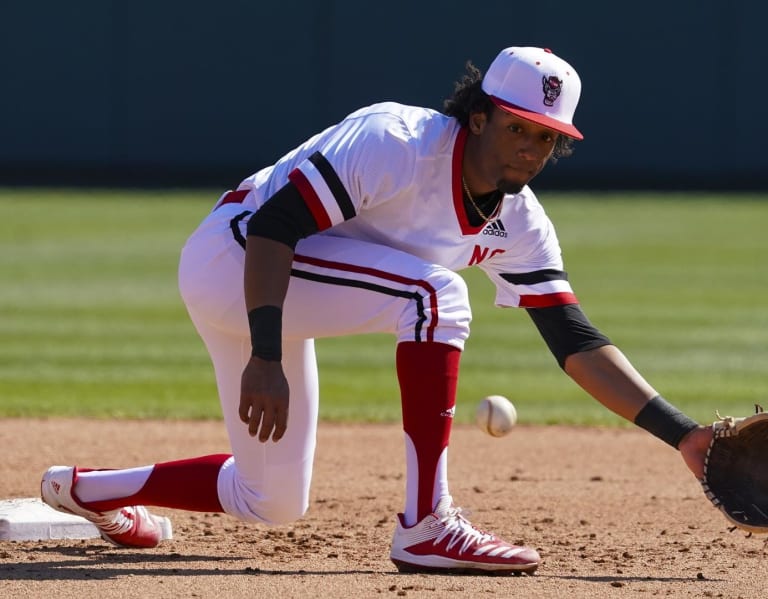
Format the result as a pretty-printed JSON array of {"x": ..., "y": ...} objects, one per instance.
[
  {"x": 537, "y": 276},
  {"x": 334, "y": 184},
  {"x": 234, "y": 224}
]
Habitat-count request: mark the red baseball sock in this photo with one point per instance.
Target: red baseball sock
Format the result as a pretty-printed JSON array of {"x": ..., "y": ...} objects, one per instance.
[
  {"x": 184, "y": 484},
  {"x": 428, "y": 374}
]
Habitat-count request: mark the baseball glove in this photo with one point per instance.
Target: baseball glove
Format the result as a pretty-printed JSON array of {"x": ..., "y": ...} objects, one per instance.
[{"x": 736, "y": 470}]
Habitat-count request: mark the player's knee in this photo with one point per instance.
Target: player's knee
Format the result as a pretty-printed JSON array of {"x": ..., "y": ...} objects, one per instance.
[
  {"x": 454, "y": 291},
  {"x": 279, "y": 511},
  {"x": 272, "y": 511},
  {"x": 440, "y": 309},
  {"x": 272, "y": 500}
]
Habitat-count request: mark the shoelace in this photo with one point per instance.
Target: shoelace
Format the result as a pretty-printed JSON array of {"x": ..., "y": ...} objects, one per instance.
[{"x": 460, "y": 530}]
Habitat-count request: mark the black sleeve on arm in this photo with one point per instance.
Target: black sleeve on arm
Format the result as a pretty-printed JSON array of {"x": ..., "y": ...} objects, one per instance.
[
  {"x": 285, "y": 217},
  {"x": 566, "y": 330}
]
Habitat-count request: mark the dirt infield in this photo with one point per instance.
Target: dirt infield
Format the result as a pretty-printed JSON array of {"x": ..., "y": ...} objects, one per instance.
[{"x": 614, "y": 513}]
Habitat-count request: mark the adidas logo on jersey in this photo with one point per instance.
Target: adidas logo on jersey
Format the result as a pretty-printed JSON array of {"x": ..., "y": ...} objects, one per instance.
[{"x": 495, "y": 229}]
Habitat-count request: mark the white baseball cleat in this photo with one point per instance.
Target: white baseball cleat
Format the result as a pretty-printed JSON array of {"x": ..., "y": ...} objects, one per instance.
[
  {"x": 446, "y": 542},
  {"x": 130, "y": 526}
]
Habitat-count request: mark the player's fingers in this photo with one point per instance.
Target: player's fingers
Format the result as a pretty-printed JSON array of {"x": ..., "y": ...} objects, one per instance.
[
  {"x": 250, "y": 415},
  {"x": 244, "y": 410},
  {"x": 267, "y": 424},
  {"x": 255, "y": 420},
  {"x": 281, "y": 423}
]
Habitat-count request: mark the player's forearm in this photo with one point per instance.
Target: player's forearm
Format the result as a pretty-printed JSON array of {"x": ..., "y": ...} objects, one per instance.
[
  {"x": 607, "y": 375},
  {"x": 267, "y": 272}
]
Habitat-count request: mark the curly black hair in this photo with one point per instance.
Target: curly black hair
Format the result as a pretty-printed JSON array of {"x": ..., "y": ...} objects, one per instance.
[{"x": 468, "y": 97}]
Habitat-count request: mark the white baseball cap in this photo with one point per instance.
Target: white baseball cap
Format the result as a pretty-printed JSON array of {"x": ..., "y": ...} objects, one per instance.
[{"x": 536, "y": 85}]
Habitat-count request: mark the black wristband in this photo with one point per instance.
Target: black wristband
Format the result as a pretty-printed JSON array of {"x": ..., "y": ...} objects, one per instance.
[
  {"x": 664, "y": 421},
  {"x": 266, "y": 324}
]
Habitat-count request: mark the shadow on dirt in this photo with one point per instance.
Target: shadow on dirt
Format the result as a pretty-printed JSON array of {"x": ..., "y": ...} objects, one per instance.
[
  {"x": 621, "y": 580},
  {"x": 98, "y": 563}
]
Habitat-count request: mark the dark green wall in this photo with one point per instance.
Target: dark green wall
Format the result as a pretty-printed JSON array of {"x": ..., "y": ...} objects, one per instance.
[{"x": 188, "y": 93}]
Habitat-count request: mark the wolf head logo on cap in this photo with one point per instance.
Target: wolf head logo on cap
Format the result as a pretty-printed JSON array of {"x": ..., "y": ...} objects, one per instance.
[{"x": 552, "y": 87}]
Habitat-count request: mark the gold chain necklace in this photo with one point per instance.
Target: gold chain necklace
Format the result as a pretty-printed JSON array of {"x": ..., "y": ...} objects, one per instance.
[{"x": 472, "y": 201}]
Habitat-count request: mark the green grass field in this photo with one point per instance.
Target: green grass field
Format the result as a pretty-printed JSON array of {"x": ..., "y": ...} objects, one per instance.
[{"x": 92, "y": 324}]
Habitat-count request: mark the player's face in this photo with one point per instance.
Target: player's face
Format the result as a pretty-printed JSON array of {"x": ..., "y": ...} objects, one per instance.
[{"x": 510, "y": 151}]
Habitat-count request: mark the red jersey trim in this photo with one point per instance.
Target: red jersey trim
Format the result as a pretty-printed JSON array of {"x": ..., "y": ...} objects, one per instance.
[
  {"x": 458, "y": 187},
  {"x": 311, "y": 198},
  {"x": 548, "y": 300}
]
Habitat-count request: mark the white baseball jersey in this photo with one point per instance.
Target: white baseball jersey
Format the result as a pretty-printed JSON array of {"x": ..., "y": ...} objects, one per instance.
[{"x": 391, "y": 174}]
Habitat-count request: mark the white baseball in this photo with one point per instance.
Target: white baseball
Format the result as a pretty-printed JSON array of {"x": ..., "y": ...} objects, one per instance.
[{"x": 496, "y": 415}]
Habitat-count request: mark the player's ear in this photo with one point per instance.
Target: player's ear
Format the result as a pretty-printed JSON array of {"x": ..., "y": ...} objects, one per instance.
[{"x": 477, "y": 122}]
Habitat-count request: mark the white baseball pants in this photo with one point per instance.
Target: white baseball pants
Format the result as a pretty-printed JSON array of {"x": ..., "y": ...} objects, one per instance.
[{"x": 339, "y": 286}]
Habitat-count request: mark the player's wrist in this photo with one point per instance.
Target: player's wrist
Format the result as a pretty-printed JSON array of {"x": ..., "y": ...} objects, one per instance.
[
  {"x": 665, "y": 421},
  {"x": 693, "y": 448},
  {"x": 266, "y": 325}
]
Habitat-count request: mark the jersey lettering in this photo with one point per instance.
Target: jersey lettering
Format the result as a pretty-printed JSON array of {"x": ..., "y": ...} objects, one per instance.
[{"x": 479, "y": 254}]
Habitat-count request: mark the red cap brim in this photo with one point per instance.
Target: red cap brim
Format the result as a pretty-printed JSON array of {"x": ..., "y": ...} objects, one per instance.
[{"x": 540, "y": 119}]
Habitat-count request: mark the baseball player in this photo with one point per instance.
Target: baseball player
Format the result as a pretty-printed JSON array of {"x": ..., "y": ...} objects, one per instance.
[{"x": 361, "y": 229}]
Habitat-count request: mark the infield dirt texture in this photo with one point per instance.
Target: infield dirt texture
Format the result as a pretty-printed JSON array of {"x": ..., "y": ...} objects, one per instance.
[{"x": 614, "y": 513}]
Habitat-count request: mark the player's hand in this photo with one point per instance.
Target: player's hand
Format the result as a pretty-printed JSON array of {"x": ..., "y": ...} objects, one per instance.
[
  {"x": 264, "y": 399},
  {"x": 693, "y": 449}
]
